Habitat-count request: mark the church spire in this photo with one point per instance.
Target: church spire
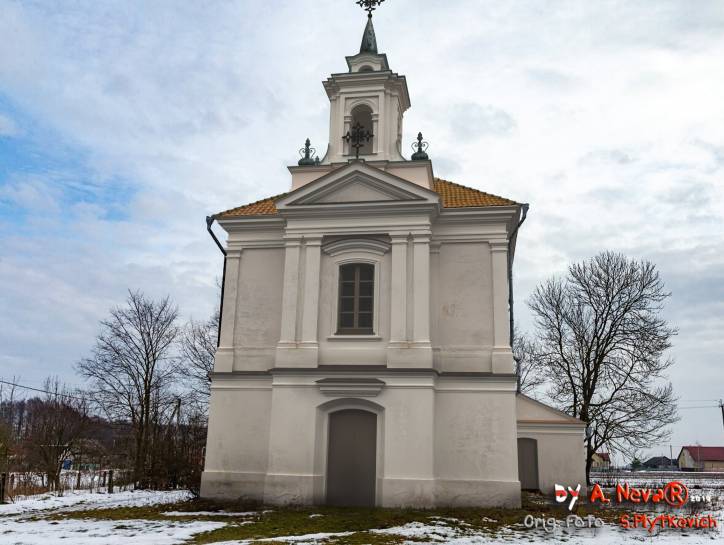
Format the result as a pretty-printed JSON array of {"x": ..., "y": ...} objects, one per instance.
[{"x": 369, "y": 41}]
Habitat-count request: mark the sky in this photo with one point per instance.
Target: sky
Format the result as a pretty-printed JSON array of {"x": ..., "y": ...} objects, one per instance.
[{"x": 124, "y": 123}]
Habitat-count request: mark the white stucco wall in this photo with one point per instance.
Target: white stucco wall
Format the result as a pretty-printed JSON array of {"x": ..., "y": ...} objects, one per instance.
[
  {"x": 237, "y": 446},
  {"x": 475, "y": 444},
  {"x": 462, "y": 329},
  {"x": 258, "y": 308},
  {"x": 439, "y": 441}
]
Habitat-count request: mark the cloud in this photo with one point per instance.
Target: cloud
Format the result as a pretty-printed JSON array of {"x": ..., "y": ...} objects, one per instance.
[
  {"x": 472, "y": 121},
  {"x": 615, "y": 156},
  {"x": 124, "y": 124},
  {"x": 32, "y": 194},
  {"x": 8, "y": 127}
]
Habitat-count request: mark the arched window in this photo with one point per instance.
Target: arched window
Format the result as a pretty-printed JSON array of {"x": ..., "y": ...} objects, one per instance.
[
  {"x": 362, "y": 114},
  {"x": 356, "y": 296}
]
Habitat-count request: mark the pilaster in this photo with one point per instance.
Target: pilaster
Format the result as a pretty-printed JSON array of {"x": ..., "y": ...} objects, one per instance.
[
  {"x": 421, "y": 289},
  {"x": 502, "y": 358},
  {"x": 310, "y": 309},
  {"x": 298, "y": 346},
  {"x": 410, "y": 342},
  {"x": 398, "y": 290},
  {"x": 224, "y": 358},
  {"x": 290, "y": 296}
]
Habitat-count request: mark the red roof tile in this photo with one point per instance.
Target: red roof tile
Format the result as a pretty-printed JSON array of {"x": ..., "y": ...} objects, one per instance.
[
  {"x": 706, "y": 454},
  {"x": 452, "y": 195}
]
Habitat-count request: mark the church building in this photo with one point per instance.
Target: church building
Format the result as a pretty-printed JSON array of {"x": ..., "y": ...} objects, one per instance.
[{"x": 364, "y": 352}]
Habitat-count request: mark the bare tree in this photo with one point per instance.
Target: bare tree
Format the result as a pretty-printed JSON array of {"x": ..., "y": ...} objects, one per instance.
[
  {"x": 527, "y": 363},
  {"x": 132, "y": 369},
  {"x": 198, "y": 347},
  {"x": 601, "y": 345},
  {"x": 8, "y": 418},
  {"x": 55, "y": 425}
]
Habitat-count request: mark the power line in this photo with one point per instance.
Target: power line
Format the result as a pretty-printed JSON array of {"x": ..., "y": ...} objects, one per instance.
[{"x": 40, "y": 390}]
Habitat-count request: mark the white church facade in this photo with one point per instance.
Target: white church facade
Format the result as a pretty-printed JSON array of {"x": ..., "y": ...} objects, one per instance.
[{"x": 364, "y": 354}]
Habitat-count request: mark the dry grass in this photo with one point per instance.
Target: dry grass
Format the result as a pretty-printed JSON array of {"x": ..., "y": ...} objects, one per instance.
[{"x": 292, "y": 521}]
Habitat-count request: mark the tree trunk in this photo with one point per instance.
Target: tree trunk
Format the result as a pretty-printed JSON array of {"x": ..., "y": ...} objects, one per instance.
[
  {"x": 138, "y": 465},
  {"x": 589, "y": 462}
]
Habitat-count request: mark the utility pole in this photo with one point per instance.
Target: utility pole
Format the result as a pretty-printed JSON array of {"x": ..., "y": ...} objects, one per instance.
[{"x": 721, "y": 406}]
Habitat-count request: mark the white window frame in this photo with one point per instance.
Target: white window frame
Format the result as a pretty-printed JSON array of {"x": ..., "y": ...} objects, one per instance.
[{"x": 351, "y": 251}]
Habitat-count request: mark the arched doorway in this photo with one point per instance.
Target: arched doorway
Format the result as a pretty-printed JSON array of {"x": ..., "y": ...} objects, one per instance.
[
  {"x": 351, "y": 458},
  {"x": 528, "y": 463}
]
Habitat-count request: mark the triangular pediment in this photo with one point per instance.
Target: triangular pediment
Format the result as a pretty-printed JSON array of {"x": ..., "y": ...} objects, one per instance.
[
  {"x": 357, "y": 188},
  {"x": 358, "y": 184}
]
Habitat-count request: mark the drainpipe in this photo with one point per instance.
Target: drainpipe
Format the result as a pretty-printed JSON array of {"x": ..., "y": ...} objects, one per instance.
[
  {"x": 524, "y": 208},
  {"x": 209, "y": 222}
]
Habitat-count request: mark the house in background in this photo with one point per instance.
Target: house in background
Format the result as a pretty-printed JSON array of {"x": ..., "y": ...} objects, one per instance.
[
  {"x": 698, "y": 458},
  {"x": 660, "y": 462},
  {"x": 600, "y": 461}
]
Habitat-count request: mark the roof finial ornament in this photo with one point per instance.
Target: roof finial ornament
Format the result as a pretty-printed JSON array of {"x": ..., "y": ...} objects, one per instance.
[
  {"x": 306, "y": 152},
  {"x": 421, "y": 147}
]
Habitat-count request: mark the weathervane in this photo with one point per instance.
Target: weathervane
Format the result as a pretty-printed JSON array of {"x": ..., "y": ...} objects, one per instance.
[
  {"x": 357, "y": 137},
  {"x": 369, "y": 5}
]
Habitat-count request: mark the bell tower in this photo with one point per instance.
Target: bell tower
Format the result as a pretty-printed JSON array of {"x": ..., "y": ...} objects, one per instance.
[{"x": 366, "y": 106}]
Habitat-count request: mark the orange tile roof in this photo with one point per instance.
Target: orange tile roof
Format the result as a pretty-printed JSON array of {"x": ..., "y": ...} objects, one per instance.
[
  {"x": 452, "y": 195},
  {"x": 455, "y": 195},
  {"x": 264, "y": 207}
]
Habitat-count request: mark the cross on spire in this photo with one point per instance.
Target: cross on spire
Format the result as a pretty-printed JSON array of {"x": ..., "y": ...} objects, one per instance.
[
  {"x": 357, "y": 137},
  {"x": 369, "y": 5}
]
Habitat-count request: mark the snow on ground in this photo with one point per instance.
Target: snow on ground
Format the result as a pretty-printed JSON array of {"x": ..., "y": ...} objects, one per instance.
[
  {"x": 437, "y": 533},
  {"x": 20, "y": 524},
  {"x": 209, "y": 514},
  {"x": 306, "y": 539},
  {"x": 100, "y": 532},
  {"x": 77, "y": 501}
]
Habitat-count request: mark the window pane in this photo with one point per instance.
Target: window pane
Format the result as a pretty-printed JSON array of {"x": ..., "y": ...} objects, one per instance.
[
  {"x": 356, "y": 291},
  {"x": 366, "y": 272},
  {"x": 365, "y": 319},
  {"x": 346, "y": 273},
  {"x": 365, "y": 304}
]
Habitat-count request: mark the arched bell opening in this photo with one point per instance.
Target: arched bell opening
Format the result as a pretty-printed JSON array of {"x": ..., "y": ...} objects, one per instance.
[{"x": 362, "y": 114}]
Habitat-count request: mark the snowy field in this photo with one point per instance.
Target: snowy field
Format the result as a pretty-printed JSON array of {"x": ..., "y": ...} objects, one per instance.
[
  {"x": 22, "y": 523},
  {"x": 47, "y": 520}
]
